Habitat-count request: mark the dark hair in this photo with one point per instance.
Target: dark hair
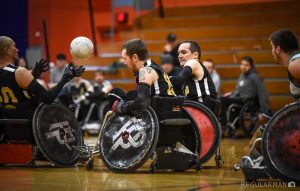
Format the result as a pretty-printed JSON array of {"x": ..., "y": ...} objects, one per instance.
[
  {"x": 250, "y": 60},
  {"x": 194, "y": 47},
  {"x": 285, "y": 39},
  {"x": 136, "y": 46},
  {"x": 61, "y": 56},
  {"x": 211, "y": 61},
  {"x": 99, "y": 71},
  {"x": 166, "y": 59},
  {"x": 171, "y": 37}
]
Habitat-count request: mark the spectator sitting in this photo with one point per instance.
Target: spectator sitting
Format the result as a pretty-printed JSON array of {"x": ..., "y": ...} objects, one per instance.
[
  {"x": 78, "y": 89},
  {"x": 75, "y": 94},
  {"x": 57, "y": 71},
  {"x": 166, "y": 62},
  {"x": 101, "y": 86},
  {"x": 172, "y": 48},
  {"x": 250, "y": 86},
  {"x": 210, "y": 66}
]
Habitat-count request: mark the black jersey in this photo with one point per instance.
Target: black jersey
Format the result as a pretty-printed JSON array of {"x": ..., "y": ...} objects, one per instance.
[
  {"x": 161, "y": 87},
  {"x": 11, "y": 93},
  {"x": 15, "y": 101},
  {"x": 197, "y": 90},
  {"x": 75, "y": 90}
]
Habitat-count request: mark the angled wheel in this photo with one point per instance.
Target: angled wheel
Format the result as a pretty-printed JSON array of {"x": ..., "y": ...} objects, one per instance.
[
  {"x": 281, "y": 144},
  {"x": 127, "y": 141},
  {"x": 248, "y": 117},
  {"x": 208, "y": 126},
  {"x": 56, "y": 133}
]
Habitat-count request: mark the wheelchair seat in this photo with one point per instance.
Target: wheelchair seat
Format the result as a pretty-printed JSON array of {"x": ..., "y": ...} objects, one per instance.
[
  {"x": 53, "y": 131},
  {"x": 16, "y": 130},
  {"x": 169, "y": 111},
  {"x": 14, "y": 121},
  {"x": 176, "y": 122},
  {"x": 15, "y": 141},
  {"x": 168, "y": 107}
]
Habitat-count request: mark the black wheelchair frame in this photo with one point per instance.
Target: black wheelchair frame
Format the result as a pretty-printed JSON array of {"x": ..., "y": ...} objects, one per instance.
[
  {"x": 86, "y": 123},
  {"x": 275, "y": 154},
  {"x": 246, "y": 118},
  {"x": 32, "y": 136}
]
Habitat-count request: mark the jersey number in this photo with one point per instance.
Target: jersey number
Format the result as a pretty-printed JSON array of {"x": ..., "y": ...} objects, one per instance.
[{"x": 7, "y": 96}]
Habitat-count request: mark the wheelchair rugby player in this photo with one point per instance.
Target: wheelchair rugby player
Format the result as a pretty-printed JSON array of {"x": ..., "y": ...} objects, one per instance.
[{"x": 49, "y": 127}]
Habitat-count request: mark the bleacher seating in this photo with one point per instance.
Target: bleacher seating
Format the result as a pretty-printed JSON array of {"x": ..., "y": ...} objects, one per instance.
[{"x": 226, "y": 33}]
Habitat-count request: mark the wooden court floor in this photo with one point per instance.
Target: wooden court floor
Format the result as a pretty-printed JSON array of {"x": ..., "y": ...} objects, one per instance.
[{"x": 78, "y": 178}]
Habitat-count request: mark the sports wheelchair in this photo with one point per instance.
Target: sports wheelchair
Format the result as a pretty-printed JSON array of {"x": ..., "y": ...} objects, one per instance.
[
  {"x": 175, "y": 133},
  {"x": 243, "y": 116},
  {"x": 277, "y": 153},
  {"x": 93, "y": 118},
  {"x": 51, "y": 135}
]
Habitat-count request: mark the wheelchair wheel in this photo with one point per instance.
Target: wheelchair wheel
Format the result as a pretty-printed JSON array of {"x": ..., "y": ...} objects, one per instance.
[
  {"x": 56, "y": 133},
  {"x": 281, "y": 144},
  {"x": 248, "y": 117},
  {"x": 209, "y": 128},
  {"x": 126, "y": 141}
]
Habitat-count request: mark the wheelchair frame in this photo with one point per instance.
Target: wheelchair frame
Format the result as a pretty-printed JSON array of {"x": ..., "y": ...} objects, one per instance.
[
  {"x": 33, "y": 146},
  {"x": 239, "y": 120},
  {"x": 100, "y": 113},
  {"x": 89, "y": 152}
]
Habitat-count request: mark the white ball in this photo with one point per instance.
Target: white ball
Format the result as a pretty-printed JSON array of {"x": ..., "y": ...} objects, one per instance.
[{"x": 81, "y": 47}]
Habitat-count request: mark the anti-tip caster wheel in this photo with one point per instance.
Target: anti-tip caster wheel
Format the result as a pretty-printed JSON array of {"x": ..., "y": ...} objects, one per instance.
[
  {"x": 219, "y": 162},
  {"x": 90, "y": 164},
  {"x": 153, "y": 167}
]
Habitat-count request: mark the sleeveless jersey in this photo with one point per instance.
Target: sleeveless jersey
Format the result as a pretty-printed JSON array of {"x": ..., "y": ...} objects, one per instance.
[
  {"x": 295, "y": 88},
  {"x": 161, "y": 87},
  {"x": 11, "y": 94},
  {"x": 197, "y": 90}
]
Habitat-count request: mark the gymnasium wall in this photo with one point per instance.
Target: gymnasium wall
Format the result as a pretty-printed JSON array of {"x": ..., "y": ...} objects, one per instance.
[
  {"x": 64, "y": 20},
  {"x": 180, "y": 3},
  {"x": 70, "y": 18},
  {"x": 14, "y": 22}
]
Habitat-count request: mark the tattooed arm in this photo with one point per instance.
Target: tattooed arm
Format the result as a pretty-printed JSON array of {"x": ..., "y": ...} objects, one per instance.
[{"x": 147, "y": 76}]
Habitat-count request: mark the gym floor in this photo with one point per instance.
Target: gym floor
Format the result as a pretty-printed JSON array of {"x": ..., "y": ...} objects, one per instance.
[{"x": 45, "y": 177}]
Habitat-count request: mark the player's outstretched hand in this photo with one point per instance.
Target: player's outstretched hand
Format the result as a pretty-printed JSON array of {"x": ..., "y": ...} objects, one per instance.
[
  {"x": 40, "y": 67},
  {"x": 71, "y": 72}
]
